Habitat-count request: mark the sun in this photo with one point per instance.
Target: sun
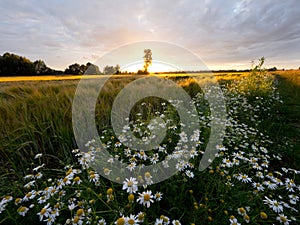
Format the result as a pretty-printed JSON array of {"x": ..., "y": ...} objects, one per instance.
[{"x": 155, "y": 67}]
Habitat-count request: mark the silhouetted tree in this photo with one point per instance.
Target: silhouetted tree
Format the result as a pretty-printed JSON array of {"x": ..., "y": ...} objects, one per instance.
[
  {"x": 147, "y": 59},
  {"x": 272, "y": 69},
  {"x": 14, "y": 65},
  {"x": 112, "y": 69},
  {"x": 75, "y": 69},
  {"x": 92, "y": 69}
]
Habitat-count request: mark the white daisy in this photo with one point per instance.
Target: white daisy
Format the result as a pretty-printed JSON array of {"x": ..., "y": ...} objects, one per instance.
[
  {"x": 145, "y": 198},
  {"x": 130, "y": 185}
]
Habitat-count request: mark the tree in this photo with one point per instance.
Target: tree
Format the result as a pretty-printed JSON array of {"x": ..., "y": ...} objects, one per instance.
[
  {"x": 112, "y": 69},
  {"x": 40, "y": 67},
  {"x": 92, "y": 69},
  {"x": 147, "y": 59},
  {"x": 14, "y": 65},
  {"x": 75, "y": 69}
]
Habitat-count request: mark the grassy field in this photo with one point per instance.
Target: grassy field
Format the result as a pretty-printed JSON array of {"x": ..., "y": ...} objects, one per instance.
[{"x": 264, "y": 127}]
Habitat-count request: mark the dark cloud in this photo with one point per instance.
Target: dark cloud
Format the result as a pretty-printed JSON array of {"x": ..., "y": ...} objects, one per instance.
[{"x": 222, "y": 33}]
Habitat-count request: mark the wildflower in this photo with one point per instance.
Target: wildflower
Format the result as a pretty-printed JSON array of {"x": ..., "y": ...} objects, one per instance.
[
  {"x": 289, "y": 184},
  {"x": 233, "y": 221},
  {"x": 141, "y": 217},
  {"x": 176, "y": 222},
  {"x": 258, "y": 186},
  {"x": 18, "y": 201},
  {"x": 131, "y": 166},
  {"x": 22, "y": 210},
  {"x": 242, "y": 211},
  {"x": 131, "y": 220},
  {"x": 77, "y": 180},
  {"x": 159, "y": 222},
  {"x": 29, "y": 195},
  {"x": 44, "y": 212},
  {"x": 93, "y": 176},
  {"x": 293, "y": 199},
  {"x": 72, "y": 206},
  {"x": 270, "y": 185},
  {"x": 145, "y": 198},
  {"x": 101, "y": 222},
  {"x": 50, "y": 220},
  {"x": 38, "y": 167},
  {"x": 246, "y": 218},
  {"x": 166, "y": 220},
  {"x": 38, "y": 175},
  {"x": 37, "y": 156},
  {"x": 263, "y": 215},
  {"x": 148, "y": 178},
  {"x": 106, "y": 171},
  {"x": 121, "y": 221},
  {"x": 77, "y": 220},
  {"x": 130, "y": 197},
  {"x": 283, "y": 219},
  {"x": 80, "y": 212},
  {"x": 158, "y": 196},
  {"x": 189, "y": 173},
  {"x": 244, "y": 178},
  {"x": 274, "y": 205},
  {"x": 130, "y": 185}
]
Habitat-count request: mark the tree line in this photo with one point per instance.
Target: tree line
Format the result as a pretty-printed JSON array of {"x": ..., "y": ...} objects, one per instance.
[{"x": 15, "y": 65}]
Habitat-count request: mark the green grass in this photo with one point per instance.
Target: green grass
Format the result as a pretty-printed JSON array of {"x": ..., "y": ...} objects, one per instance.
[{"x": 36, "y": 118}]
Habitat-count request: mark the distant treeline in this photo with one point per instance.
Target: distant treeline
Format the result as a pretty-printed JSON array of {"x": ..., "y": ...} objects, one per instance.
[{"x": 14, "y": 65}]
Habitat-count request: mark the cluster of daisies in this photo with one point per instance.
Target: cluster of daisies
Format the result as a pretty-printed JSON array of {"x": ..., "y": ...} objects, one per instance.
[{"x": 95, "y": 190}]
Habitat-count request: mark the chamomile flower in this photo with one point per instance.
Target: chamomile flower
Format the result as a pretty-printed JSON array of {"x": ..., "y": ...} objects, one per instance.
[
  {"x": 130, "y": 185},
  {"x": 131, "y": 220},
  {"x": 44, "y": 212},
  {"x": 158, "y": 196},
  {"x": 244, "y": 178},
  {"x": 158, "y": 222},
  {"x": 101, "y": 222},
  {"x": 176, "y": 222},
  {"x": 145, "y": 198},
  {"x": 22, "y": 210},
  {"x": 283, "y": 219}
]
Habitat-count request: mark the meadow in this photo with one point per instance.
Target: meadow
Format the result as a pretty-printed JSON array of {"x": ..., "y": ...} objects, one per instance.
[{"x": 254, "y": 179}]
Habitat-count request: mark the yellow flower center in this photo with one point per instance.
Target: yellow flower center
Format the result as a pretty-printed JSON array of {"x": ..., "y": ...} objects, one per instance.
[
  {"x": 263, "y": 215},
  {"x": 76, "y": 179},
  {"x": 147, "y": 197},
  {"x": 283, "y": 219},
  {"x": 131, "y": 221},
  {"x": 120, "y": 221},
  {"x": 79, "y": 212},
  {"x": 131, "y": 197},
  {"x": 76, "y": 219},
  {"x": 43, "y": 211},
  {"x": 141, "y": 216},
  {"x": 147, "y": 175},
  {"x": 109, "y": 191},
  {"x": 129, "y": 183},
  {"x": 242, "y": 210},
  {"x": 22, "y": 209}
]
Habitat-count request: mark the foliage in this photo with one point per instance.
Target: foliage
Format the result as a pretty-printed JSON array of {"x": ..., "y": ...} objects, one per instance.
[
  {"x": 147, "y": 59},
  {"x": 14, "y": 65},
  {"x": 257, "y": 83},
  {"x": 248, "y": 182}
]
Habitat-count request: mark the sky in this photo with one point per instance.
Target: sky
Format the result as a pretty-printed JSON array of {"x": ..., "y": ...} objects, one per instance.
[{"x": 223, "y": 34}]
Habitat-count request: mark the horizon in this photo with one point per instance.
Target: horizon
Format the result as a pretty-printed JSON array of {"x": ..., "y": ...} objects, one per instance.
[{"x": 224, "y": 35}]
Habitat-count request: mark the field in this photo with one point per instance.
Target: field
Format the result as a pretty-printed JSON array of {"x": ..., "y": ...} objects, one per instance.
[{"x": 253, "y": 179}]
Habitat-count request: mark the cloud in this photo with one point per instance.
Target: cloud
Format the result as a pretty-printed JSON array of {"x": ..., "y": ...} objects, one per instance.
[{"x": 220, "y": 32}]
